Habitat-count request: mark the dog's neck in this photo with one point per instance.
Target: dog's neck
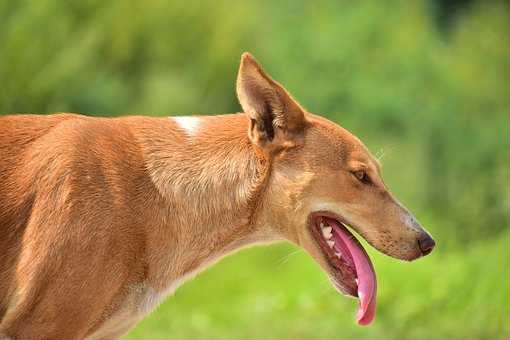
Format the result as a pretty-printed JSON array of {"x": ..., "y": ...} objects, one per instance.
[{"x": 209, "y": 178}]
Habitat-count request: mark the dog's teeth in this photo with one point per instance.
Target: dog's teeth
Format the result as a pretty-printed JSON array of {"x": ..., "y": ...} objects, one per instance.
[
  {"x": 322, "y": 225},
  {"x": 357, "y": 281},
  {"x": 331, "y": 243},
  {"x": 338, "y": 255},
  {"x": 326, "y": 232}
]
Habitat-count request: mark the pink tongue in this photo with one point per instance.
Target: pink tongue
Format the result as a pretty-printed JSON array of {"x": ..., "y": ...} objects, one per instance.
[{"x": 367, "y": 282}]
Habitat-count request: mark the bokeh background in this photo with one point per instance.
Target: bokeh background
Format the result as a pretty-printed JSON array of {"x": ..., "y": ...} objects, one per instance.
[{"x": 426, "y": 84}]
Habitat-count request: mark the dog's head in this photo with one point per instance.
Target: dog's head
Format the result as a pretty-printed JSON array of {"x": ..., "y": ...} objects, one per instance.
[{"x": 323, "y": 180}]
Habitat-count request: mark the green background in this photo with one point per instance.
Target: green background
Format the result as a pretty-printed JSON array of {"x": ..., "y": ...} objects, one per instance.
[{"x": 433, "y": 101}]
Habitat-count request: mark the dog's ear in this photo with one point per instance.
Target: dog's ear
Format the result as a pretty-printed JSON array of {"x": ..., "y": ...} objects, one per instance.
[{"x": 276, "y": 119}]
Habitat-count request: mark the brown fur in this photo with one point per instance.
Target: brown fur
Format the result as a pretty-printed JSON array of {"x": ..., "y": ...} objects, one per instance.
[{"x": 101, "y": 218}]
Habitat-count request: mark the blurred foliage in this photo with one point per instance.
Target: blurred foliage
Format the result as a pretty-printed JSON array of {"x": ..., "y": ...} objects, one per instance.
[{"x": 437, "y": 107}]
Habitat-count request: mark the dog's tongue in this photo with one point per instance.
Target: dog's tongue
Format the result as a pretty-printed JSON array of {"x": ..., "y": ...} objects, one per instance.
[{"x": 367, "y": 282}]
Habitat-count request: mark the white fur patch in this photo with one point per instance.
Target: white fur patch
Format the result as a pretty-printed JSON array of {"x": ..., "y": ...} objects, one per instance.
[
  {"x": 152, "y": 298},
  {"x": 189, "y": 124}
]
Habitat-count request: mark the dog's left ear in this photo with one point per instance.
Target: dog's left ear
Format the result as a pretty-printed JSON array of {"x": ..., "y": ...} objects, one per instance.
[{"x": 276, "y": 119}]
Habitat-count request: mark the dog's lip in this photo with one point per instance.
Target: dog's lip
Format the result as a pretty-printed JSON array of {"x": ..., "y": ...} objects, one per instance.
[
  {"x": 353, "y": 274},
  {"x": 342, "y": 275}
]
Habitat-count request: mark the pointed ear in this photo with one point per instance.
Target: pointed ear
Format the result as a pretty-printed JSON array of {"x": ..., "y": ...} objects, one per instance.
[{"x": 275, "y": 117}]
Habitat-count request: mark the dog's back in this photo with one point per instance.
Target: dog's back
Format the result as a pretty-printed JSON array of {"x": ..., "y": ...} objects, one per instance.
[{"x": 18, "y": 134}]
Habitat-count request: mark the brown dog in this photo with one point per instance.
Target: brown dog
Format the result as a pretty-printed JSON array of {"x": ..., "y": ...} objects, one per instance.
[{"x": 100, "y": 218}]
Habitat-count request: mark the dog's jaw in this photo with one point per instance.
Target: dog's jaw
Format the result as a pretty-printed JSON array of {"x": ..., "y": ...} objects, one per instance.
[{"x": 348, "y": 265}]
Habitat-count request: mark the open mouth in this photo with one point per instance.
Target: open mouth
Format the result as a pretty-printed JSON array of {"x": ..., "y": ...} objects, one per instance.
[{"x": 351, "y": 270}]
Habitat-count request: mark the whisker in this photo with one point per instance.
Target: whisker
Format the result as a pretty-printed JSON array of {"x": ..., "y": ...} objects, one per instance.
[
  {"x": 286, "y": 257},
  {"x": 381, "y": 153}
]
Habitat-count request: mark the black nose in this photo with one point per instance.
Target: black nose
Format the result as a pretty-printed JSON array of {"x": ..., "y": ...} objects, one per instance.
[{"x": 426, "y": 244}]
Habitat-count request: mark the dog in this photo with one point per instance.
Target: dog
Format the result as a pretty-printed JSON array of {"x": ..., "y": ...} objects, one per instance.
[{"x": 102, "y": 218}]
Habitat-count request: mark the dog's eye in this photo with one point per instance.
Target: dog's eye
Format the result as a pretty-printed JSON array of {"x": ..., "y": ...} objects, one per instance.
[{"x": 362, "y": 176}]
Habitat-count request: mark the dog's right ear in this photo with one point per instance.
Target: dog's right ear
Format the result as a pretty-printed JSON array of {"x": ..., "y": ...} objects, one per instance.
[{"x": 276, "y": 119}]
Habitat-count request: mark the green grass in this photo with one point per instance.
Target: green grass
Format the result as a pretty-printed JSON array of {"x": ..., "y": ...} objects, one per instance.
[{"x": 278, "y": 293}]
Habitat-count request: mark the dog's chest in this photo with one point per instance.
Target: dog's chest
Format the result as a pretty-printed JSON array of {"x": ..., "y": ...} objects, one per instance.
[
  {"x": 141, "y": 301},
  {"x": 117, "y": 325}
]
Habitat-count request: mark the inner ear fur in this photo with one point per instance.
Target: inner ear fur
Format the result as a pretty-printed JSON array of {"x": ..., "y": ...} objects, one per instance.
[{"x": 275, "y": 117}]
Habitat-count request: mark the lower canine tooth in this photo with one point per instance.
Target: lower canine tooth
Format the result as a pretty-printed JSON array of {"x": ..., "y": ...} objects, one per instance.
[
  {"x": 338, "y": 255},
  {"x": 331, "y": 243}
]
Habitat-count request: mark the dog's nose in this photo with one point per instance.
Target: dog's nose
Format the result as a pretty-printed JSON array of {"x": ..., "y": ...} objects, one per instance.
[{"x": 426, "y": 244}]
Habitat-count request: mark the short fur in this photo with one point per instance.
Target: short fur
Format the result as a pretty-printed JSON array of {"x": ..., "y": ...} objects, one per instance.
[{"x": 101, "y": 218}]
